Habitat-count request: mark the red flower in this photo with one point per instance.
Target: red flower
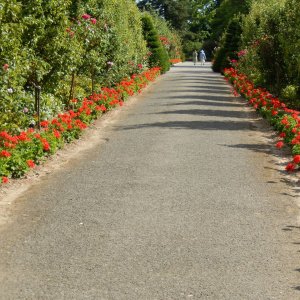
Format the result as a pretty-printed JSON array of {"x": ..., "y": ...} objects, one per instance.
[
  {"x": 274, "y": 112},
  {"x": 4, "y": 179},
  {"x": 23, "y": 136},
  {"x": 285, "y": 121},
  {"x": 5, "y": 153},
  {"x": 46, "y": 145},
  {"x": 30, "y": 163},
  {"x": 56, "y": 133},
  {"x": 45, "y": 123},
  {"x": 282, "y": 135},
  {"x": 93, "y": 21},
  {"x": 290, "y": 167},
  {"x": 296, "y": 159},
  {"x": 279, "y": 144}
]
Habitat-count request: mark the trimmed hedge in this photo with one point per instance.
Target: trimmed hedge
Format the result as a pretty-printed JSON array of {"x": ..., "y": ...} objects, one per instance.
[{"x": 158, "y": 55}]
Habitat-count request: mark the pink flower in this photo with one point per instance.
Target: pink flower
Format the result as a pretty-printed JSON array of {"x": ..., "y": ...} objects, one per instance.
[
  {"x": 93, "y": 21},
  {"x": 86, "y": 16},
  {"x": 5, "y": 67}
]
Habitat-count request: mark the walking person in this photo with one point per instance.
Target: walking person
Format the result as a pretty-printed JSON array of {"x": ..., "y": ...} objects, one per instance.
[
  {"x": 195, "y": 57},
  {"x": 202, "y": 57}
]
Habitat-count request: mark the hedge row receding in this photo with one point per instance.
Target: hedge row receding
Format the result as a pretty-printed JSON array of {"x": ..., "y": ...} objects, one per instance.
[
  {"x": 68, "y": 48},
  {"x": 19, "y": 153}
]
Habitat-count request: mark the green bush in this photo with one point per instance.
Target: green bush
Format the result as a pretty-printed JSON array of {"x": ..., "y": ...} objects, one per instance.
[
  {"x": 168, "y": 36},
  {"x": 289, "y": 38},
  {"x": 271, "y": 47},
  {"x": 68, "y": 47},
  {"x": 228, "y": 46},
  {"x": 158, "y": 54}
]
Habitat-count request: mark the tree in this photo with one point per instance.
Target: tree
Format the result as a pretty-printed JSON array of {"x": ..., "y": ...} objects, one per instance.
[
  {"x": 225, "y": 11},
  {"x": 229, "y": 45},
  {"x": 176, "y": 12},
  {"x": 158, "y": 54}
]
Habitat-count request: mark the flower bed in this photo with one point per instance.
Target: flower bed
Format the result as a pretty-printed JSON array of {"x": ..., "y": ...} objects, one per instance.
[
  {"x": 19, "y": 153},
  {"x": 286, "y": 121}
]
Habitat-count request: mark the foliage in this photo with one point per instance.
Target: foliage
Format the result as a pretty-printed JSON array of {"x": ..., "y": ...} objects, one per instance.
[
  {"x": 168, "y": 36},
  {"x": 285, "y": 120},
  {"x": 224, "y": 13},
  {"x": 176, "y": 12},
  {"x": 158, "y": 54},
  {"x": 228, "y": 46},
  {"x": 20, "y": 152},
  {"x": 289, "y": 38},
  {"x": 271, "y": 47},
  {"x": 69, "y": 48},
  {"x": 191, "y": 19}
]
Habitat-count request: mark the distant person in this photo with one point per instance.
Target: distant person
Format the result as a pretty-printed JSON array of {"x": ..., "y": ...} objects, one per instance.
[
  {"x": 202, "y": 57},
  {"x": 195, "y": 57}
]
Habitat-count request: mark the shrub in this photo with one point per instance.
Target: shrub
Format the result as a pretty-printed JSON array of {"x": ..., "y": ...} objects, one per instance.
[
  {"x": 271, "y": 35},
  {"x": 70, "y": 48},
  {"x": 228, "y": 46},
  {"x": 158, "y": 54}
]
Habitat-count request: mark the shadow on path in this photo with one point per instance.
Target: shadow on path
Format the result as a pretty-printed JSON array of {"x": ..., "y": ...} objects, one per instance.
[
  {"x": 209, "y": 103},
  {"x": 209, "y": 112},
  {"x": 194, "y": 125}
]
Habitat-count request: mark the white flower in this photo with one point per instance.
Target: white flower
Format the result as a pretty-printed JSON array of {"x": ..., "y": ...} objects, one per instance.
[{"x": 10, "y": 90}]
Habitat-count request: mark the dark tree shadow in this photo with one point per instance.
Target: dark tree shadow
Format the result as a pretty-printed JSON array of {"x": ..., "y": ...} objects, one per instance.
[
  {"x": 194, "y": 125},
  {"x": 208, "y": 112},
  {"x": 210, "y": 103},
  {"x": 260, "y": 148},
  {"x": 206, "y": 89},
  {"x": 200, "y": 98}
]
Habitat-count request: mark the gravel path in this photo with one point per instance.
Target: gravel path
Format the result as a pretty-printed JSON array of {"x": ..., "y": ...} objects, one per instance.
[{"x": 182, "y": 201}]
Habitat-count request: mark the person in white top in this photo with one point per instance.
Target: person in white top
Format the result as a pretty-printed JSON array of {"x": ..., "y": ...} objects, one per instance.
[{"x": 202, "y": 57}]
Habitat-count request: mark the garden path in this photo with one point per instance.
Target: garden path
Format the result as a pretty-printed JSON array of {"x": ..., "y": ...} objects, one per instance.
[{"x": 182, "y": 200}]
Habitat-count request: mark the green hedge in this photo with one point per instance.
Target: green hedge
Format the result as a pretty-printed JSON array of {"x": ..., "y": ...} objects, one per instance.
[
  {"x": 228, "y": 46},
  {"x": 158, "y": 55},
  {"x": 70, "y": 48},
  {"x": 271, "y": 48}
]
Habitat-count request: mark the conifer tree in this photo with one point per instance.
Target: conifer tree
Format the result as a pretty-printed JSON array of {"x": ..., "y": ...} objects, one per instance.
[{"x": 158, "y": 54}]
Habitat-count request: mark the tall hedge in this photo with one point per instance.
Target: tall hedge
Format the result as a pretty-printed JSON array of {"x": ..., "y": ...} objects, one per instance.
[
  {"x": 289, "y": 39},
  {"x": 158, "y": 55},
  {"x": 228, "y": 46},
  {"x": 270, "y": 47},
  {"x": 69, "y": 48},
  {"x": 168, "y": 36}
]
